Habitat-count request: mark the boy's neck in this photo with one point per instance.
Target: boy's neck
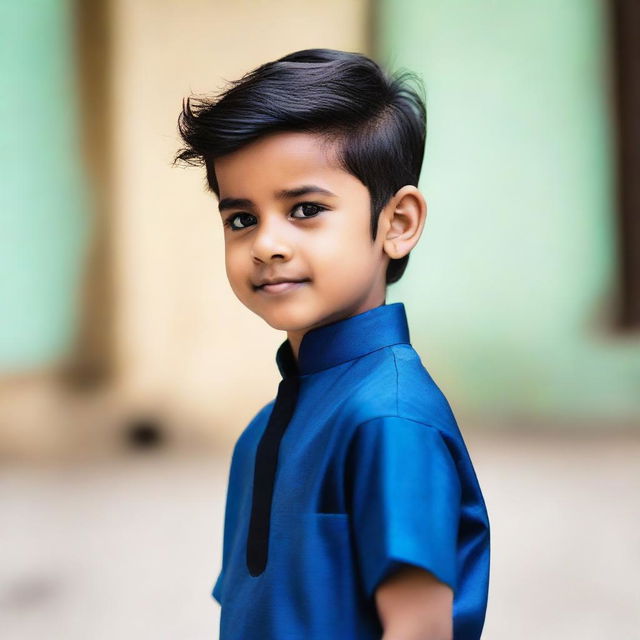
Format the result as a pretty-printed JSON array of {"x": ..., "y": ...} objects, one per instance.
[{"x": 295, "y": 337}]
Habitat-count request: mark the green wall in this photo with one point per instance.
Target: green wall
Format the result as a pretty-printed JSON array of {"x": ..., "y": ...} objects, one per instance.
[
  {"x": 42, "y": 201},
  {"x": 511, "y": 288}
]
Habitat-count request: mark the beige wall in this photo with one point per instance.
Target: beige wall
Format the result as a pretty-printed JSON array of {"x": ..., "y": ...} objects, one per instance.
[{"x": 186, "y": 346}]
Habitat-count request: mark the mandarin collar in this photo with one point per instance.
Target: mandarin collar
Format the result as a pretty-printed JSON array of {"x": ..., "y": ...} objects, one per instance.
[{"x": 347, "y": 339}]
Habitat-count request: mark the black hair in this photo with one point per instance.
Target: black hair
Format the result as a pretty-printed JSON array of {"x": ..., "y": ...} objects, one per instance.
[{"x": 377, "y": 120}]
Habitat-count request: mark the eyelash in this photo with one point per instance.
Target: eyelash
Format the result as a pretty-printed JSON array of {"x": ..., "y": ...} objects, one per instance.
[{"x": 228, "y": 221}]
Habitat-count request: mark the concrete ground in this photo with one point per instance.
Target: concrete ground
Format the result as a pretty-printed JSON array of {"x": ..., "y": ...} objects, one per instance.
[{"x": 130, "y": 548}]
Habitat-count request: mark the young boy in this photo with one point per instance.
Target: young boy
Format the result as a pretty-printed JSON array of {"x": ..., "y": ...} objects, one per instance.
[{"x": 353, "y": 510}]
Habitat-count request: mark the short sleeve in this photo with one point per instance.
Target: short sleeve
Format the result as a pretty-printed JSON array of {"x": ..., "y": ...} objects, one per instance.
[{"x": 403, "y": 494}]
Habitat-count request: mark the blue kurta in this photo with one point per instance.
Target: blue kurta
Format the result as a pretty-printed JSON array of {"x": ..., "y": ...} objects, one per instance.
[{"x": 371, "y": 472}]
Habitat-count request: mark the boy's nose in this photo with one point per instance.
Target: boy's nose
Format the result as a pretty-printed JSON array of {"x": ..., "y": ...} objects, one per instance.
[{"x": 271, "y": 241}]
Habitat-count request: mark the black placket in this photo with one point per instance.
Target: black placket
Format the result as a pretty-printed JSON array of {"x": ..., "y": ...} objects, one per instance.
[{"x": 266, "y": 465}]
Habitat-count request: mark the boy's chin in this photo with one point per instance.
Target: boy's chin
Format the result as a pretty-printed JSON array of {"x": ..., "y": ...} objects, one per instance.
[
  {"x": 283, "y": 324},
  {"x": 286, "y": 319}
]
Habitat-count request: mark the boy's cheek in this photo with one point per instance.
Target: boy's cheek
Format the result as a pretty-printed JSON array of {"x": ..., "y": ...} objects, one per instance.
[{"x": 233, "y": 266}]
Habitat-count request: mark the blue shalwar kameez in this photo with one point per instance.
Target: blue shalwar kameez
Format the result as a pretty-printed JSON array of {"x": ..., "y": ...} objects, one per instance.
[{"x": 356, "y": 468}]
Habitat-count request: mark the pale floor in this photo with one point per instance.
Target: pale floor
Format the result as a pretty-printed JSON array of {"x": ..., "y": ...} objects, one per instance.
[{"x": 130, "y": 548}]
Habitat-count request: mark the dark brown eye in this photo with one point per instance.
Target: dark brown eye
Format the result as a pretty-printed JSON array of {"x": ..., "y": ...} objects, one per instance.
[
  {"x": 315, "y": 209},
  {"x": 230, "y": 221}
]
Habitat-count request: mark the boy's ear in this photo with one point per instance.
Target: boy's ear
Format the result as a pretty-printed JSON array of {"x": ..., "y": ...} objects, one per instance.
[{"x": 403, "y": 221}]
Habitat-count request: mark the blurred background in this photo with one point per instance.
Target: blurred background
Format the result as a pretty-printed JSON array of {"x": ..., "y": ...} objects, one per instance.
[{"x": 128, "y": 368}]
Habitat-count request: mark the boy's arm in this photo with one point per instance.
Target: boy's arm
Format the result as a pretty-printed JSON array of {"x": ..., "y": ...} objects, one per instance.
[{"x": 414, "y": 605}]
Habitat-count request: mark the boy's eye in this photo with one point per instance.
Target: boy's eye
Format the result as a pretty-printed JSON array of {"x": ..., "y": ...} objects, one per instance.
[
  {"x": 234, "y": 216},
  {"x": 311, "y": 208},
  {"x": 316, "y": 208}
]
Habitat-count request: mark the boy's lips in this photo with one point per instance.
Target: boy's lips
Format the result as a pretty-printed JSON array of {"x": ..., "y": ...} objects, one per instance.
[
  {"x": 271, "y": 281},
  {"x": 281, "y": 286}
]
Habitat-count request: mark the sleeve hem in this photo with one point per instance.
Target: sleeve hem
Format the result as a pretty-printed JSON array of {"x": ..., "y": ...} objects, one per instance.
[{"x": 397, "y": 562}]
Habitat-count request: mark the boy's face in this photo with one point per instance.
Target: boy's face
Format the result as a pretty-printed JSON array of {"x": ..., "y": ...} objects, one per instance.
[{"x": 321, "y": 239}]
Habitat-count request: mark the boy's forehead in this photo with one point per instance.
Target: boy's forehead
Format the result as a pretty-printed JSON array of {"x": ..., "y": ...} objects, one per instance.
[
  {"x": 286, "y": 145},
  {"x": 278, "y": 159}
]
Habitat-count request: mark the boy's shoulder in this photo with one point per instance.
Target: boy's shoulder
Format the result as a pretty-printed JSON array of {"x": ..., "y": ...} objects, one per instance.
[
  {"x": 390, "y": 382},
  {"x": 397, "y": 383}
]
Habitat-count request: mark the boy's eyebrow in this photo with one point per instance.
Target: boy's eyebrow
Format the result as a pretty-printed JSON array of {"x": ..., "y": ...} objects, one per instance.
[{"x": 239, "y": 203}]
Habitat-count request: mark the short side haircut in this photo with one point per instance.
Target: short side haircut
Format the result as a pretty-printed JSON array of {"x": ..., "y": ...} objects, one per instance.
[{"x": 377, "y": 120}]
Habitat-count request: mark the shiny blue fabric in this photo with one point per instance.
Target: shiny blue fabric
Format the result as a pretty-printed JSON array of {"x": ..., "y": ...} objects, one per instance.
[{"x": 372, "y": 473}]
